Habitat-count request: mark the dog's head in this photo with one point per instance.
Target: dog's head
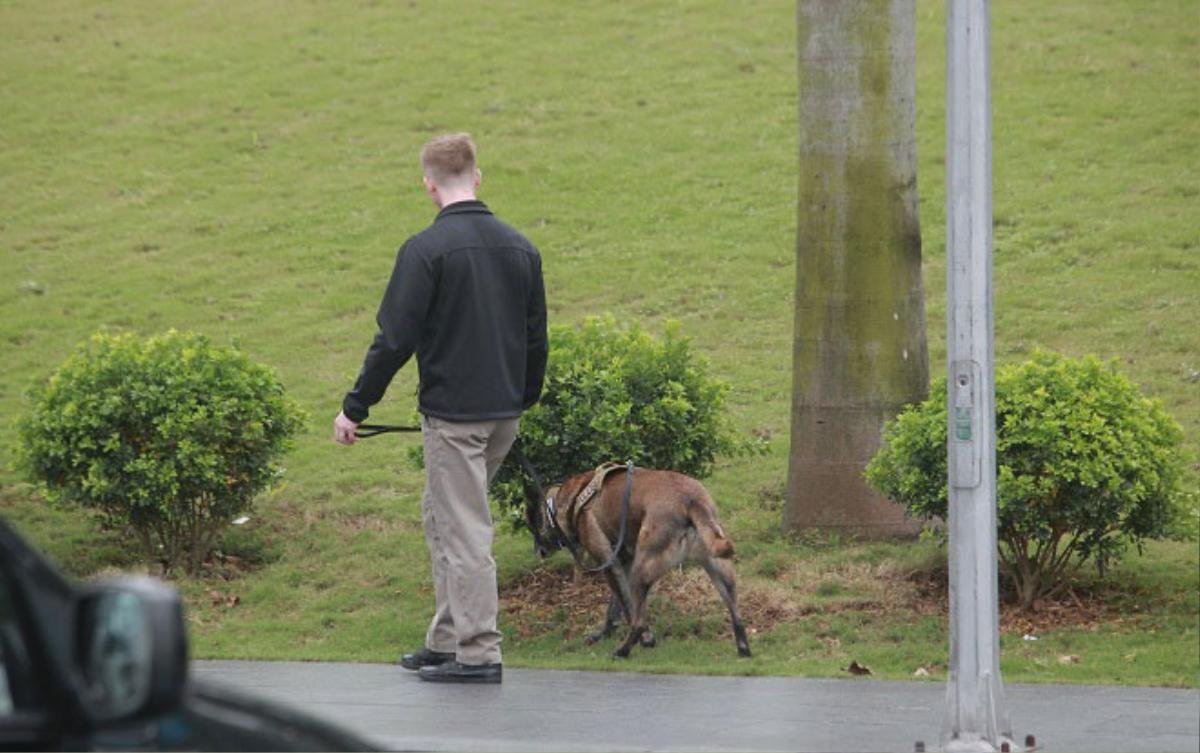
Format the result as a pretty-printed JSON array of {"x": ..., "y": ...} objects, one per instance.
[{"x": 539, "y": 519}]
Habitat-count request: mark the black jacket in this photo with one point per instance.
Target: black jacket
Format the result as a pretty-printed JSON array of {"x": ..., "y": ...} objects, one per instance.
[{"x": 467, "y": 297}]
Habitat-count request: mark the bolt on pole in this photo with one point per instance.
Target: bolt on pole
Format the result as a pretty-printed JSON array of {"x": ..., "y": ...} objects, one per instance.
[{"x": 976, "y": 713}]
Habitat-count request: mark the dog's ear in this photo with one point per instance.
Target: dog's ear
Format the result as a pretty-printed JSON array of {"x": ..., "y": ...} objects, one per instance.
[
  {"x": 564, "y": 493},
  {"x": 570, "y": 489},
  {"x": 534, "y": 521}
]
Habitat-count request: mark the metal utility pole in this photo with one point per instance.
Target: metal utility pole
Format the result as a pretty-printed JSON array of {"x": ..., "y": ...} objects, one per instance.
[{"x": 976, "y": 714}]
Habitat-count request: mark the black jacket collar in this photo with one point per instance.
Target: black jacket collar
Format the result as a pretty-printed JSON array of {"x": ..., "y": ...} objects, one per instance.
[{"x": 473, "y": 206}]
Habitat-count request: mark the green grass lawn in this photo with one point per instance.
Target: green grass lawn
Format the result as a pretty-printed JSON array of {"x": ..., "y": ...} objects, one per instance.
[{"x": 248, "y": 170}]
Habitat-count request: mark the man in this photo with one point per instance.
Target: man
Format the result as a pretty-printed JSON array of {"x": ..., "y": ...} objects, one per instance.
[{"x": 466, "y": 296}]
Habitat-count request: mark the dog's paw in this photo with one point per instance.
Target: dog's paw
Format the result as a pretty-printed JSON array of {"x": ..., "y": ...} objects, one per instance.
[
  {"x": 648, "y": 640},
  {"x": 621, "y": 653}
]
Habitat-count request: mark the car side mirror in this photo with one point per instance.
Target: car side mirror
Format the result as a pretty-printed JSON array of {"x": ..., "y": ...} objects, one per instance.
[{"x": 130, "y": 648}]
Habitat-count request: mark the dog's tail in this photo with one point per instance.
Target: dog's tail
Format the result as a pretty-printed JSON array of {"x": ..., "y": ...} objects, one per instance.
[{"x": 704, "y": 518}]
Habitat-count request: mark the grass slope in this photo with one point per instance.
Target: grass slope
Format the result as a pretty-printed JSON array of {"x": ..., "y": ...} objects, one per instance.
[{"x": 248, "y": 170}]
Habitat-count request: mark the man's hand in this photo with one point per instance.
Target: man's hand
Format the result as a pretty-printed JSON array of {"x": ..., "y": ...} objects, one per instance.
[{"x": 343, "y": 429}]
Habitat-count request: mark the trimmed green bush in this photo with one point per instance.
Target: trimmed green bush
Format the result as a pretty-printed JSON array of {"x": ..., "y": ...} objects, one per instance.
[
  {"x": 1085, "y": 466},
  {"x": 171, "y": 437},
  {"x": 615, "y": 394}
]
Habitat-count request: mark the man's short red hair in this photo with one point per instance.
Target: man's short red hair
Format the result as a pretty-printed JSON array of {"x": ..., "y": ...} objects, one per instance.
[{"x": 449, "y": 158}]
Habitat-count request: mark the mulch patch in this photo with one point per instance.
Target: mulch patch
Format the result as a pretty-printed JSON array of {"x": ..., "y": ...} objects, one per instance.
[
  {"x": 574, "y": 604},
  {"x": 1070, "y": 609},
  {"x": 543, "y": 597}
]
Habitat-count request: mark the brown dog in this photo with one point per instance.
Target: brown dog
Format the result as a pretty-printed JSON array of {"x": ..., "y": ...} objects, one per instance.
[{"x": 671, "y": 520}]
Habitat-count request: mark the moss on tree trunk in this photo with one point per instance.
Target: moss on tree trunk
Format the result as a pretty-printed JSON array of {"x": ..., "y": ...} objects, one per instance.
[{"x": 859, "y": 347}]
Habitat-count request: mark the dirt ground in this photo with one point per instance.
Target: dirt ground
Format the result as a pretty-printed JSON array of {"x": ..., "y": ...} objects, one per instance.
[{"x": 575, "y": 602}]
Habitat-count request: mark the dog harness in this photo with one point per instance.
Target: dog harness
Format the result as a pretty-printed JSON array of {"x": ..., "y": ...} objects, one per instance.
[
  {"x": 577, "y": 505},
  {"x": 584, "y": 498}
]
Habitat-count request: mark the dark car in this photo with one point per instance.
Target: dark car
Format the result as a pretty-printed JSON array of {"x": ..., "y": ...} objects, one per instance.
[{"x": 104, "y": 666}]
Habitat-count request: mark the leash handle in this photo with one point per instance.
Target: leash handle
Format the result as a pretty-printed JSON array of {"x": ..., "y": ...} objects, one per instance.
[{"x": 365, "y": 431}]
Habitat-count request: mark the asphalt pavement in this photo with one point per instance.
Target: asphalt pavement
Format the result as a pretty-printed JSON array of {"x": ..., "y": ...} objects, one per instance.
[{"x": 544, "y": 710}]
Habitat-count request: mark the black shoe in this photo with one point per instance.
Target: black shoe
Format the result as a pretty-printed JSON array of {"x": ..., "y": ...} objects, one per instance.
[
  {"x": 452, "y": 671},
  {"x": 425, "y": 658}
]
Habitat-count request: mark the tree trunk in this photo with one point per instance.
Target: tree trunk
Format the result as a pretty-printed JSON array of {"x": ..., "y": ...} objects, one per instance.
[{"x": 859, "y": 349}]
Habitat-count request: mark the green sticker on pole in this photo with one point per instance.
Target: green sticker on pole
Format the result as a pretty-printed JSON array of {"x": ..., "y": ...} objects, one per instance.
[
  {"x": 966, "y": 460},
  {"x": 962, "y": 424}
]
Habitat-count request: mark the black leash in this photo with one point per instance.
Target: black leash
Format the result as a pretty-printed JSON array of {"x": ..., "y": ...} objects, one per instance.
[
  {"x": 527, "y": 466},
  {"x": 373, "y": 430},
  {"x": 365, "y": 431}
]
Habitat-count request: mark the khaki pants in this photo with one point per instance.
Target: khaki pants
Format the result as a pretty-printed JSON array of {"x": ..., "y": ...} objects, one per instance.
[{"x": 460, "y": 461}]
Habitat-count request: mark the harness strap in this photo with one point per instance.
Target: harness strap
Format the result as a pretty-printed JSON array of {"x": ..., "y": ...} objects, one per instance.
[
  {"x": 612, "y": 558},
  {"x": 563, "y": 536},
  {"x": 578, "y": 507},
  {"x": 585, "y": 497}
]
